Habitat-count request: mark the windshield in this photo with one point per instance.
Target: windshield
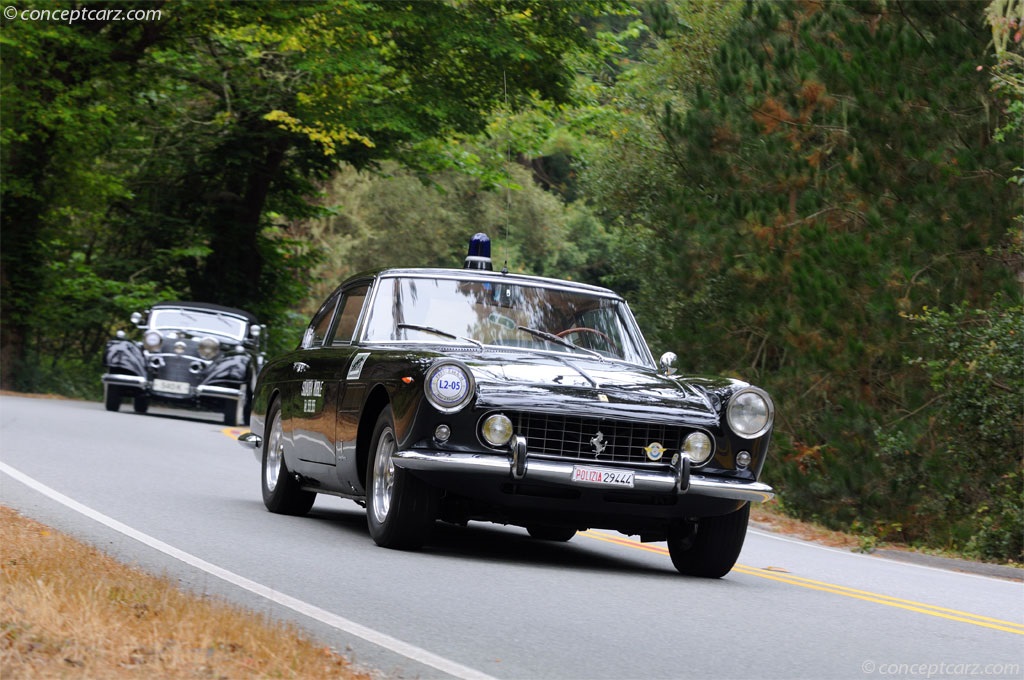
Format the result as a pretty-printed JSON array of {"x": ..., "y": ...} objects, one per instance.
[
  {"x": 198, "y": 322},
  {"x": 433, "y": 310}
]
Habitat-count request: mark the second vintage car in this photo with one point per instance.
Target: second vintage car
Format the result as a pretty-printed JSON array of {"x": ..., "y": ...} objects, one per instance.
[
  {"x": 469, "y": 394},
  {"x": 192, "y": 355}
]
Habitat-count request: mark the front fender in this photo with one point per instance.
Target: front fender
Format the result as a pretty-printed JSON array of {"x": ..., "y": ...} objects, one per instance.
[
  {"x": 124, "y": 356},
  {"x": 232, "y": 369}
]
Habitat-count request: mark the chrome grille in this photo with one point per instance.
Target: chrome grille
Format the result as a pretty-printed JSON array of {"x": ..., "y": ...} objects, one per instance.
[
  {"x": 575, "y": 437},
  {"x": 177, "y": 368}
]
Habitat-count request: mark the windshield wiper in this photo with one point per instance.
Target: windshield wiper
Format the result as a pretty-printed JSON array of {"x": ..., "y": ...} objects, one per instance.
[
  {"x": 438, "y": 331},
  {"x": 551, "y": 337}
]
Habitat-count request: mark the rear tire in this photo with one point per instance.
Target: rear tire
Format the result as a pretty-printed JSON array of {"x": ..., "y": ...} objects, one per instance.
[
  {"x": 711, "y": 548},
  {"x": 400, "y": 508},
  {"x": 140, "y": 403},
  {"x": 112, "y": 397},
  {"x": 281, "y": 492}
]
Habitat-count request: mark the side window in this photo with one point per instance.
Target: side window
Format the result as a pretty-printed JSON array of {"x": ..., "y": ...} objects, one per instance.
[
  {"x": 351, "y": 306},
  {"x": 320, "y": 326}
]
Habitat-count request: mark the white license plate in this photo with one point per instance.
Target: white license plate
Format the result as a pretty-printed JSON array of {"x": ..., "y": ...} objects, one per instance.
[
  {"x": 171, "y": 386},
  {"x": 583, "y": 474}
]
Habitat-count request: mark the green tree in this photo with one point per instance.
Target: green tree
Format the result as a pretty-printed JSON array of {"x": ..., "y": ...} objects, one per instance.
[
  {"x": 174, "y": 153},
  {"x": 838, "y": 174}
]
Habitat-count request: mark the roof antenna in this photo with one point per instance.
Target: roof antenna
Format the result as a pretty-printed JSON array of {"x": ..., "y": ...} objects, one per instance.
[{"x": 508, "y": 173}]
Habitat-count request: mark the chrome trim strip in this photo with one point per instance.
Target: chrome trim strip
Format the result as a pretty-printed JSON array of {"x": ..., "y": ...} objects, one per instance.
[
  {"x": 123, "y": 380},
  {"x": 560, "y": 472},
  {"x": 218, "y": 391}
]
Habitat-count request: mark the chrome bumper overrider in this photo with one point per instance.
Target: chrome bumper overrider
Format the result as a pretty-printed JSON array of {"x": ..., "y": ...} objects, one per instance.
[
  {"x": 220, "y": 392},
  {"x": 521, "y": 466}
]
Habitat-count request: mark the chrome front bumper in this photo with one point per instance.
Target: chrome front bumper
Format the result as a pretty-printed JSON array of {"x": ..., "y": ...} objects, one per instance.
[
  {"x": 202, "y": 391},
  {"x": 521, "y": 466},
  {"x": 122, "y": 380}
]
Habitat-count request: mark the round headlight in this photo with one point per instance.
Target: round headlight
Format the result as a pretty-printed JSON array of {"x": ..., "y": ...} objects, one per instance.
[
  {"x": 750, "y": 412},
  {"x": 208, "y": 348},
  {"x": 697, "y": 447},
  {"x": 496, "y": 430},
  {"x": 449, "y": 386},
  {"x": 152, "y": 341}
]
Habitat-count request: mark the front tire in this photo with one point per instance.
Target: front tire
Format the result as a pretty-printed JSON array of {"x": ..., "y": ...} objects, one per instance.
[
  {"x": 281, "y": 492},
  {"x": 236, "y": 410},
  {"x": 711, "y": 548},
  {"x": 111, "y": 397},
  {"x": 400, "y": 508},
  {"x": 140, "y": 403}
]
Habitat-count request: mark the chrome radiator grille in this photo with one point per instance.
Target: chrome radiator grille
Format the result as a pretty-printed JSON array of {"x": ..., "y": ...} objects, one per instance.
[
  {"x": 596, "y": 438},
  {"x": 177, "y": 368}
]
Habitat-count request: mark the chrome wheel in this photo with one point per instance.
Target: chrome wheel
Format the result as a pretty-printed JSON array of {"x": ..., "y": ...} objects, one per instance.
[
  {"x": 275, "y": 454},
  {"x": 383, "y": 475},
  {"x": 282, "y": 491},
  {"x": 400, "y": 508}
]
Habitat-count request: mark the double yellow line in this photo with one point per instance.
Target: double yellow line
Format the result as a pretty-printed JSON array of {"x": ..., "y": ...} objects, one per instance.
[{"x": 822, "y": 586}]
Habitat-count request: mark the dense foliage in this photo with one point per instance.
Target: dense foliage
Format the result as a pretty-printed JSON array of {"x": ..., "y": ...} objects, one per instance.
[
  {"x": 836, "y": 178},
  {"x": 168, "y": 157},
  {"x": 822, "y": 197}
]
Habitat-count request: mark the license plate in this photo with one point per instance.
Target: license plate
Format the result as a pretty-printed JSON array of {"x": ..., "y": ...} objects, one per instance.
[
  {"x": 583, "y": 474},
  {"x": 171, "y": 386}
]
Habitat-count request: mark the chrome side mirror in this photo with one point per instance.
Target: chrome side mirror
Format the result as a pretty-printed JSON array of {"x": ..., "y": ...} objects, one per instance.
[
  {"x": 667, "y": 363},
  {"x": 136, "y": 318}
]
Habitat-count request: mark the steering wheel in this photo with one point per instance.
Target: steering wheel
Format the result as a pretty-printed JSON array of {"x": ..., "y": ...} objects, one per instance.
[{"x": 581, "y": 329}]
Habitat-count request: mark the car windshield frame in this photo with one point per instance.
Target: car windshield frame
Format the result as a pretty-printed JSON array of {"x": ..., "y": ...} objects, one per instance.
[
  {"x": 198, "y": 322},
  {"x": 508, "y": 314}
]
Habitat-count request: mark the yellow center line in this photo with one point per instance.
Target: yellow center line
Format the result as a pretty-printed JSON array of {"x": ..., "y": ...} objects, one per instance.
[{"x": 867, "y": 596}]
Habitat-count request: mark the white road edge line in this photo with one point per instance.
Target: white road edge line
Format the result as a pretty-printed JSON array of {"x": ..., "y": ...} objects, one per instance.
[{"x": 323, "y": 616}]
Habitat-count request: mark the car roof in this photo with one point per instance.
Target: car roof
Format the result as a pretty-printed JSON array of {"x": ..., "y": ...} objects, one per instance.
[
  {"x": 485, "y": 275},
  {"x": 207, "y": 307}
]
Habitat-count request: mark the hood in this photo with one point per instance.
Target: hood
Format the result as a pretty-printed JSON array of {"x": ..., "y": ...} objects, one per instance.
[{"x": 592, "y": 388}]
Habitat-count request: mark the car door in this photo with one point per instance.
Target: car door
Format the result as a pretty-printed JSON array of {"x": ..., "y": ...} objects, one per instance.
[{"x": 318, "y": 377}]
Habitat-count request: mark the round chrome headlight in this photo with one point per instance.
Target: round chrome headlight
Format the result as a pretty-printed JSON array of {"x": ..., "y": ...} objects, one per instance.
[
  {"x": 697, "y": 447},
  {"x": 208, "y": 348},
  {"x": 496, "y": 430},
  {"x": 750, "y": 413},
  {"x": 152, "y": 341},
  {"x": 449, "y": 386}
]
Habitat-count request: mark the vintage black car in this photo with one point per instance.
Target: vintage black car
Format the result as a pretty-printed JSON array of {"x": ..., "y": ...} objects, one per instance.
[
  {"x": 192, "y": 355},
  {"x": 469, "y": 394}
]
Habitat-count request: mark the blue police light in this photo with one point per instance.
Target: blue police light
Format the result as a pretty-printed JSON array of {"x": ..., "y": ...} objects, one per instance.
[{"x": 479, "y": 255}]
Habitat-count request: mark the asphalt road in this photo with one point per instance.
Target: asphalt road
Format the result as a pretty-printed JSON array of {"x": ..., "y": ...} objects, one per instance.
[{"x": 173, "y": 493}]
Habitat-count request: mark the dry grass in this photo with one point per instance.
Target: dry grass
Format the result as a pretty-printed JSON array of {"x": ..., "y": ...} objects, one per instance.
[
  {"x": 69, "y": 611},
  {"x": 769, "y": 517}
]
